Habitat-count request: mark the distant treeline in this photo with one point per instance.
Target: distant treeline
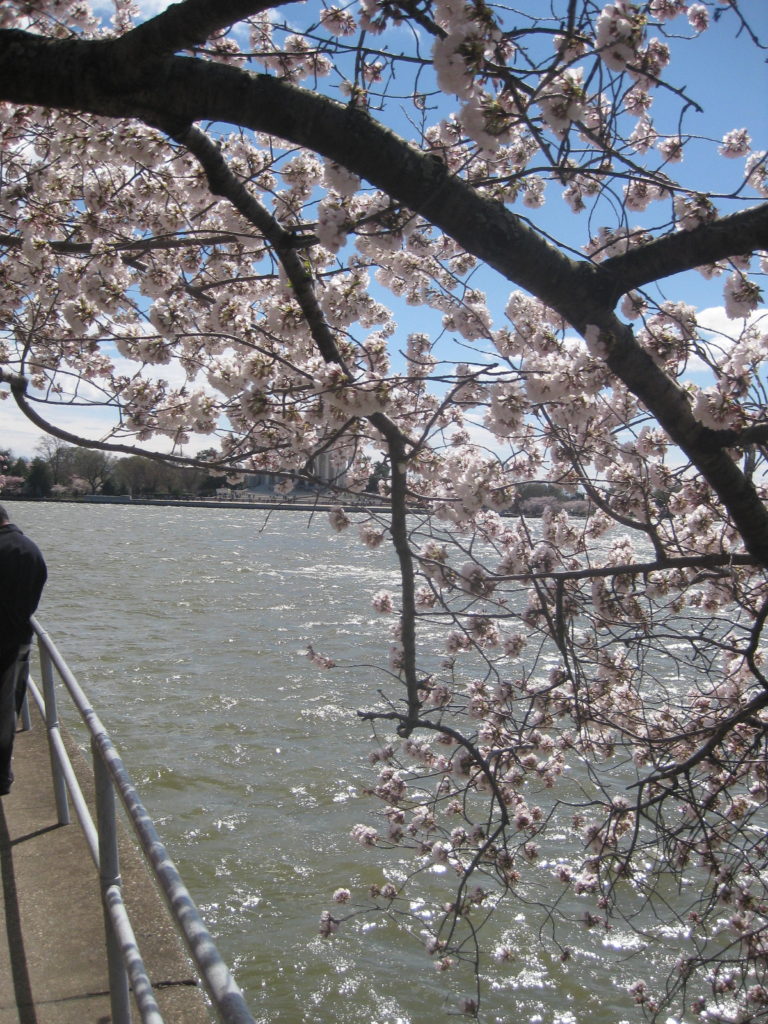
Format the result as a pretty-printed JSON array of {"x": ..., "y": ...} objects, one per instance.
[{"x": 60, "y": 470}]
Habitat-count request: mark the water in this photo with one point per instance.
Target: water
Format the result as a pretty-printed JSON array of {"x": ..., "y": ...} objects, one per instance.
[{"x": 188, "y": 630}]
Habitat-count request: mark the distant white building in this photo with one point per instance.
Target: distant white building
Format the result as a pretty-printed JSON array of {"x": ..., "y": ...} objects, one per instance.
[{"x": 330, "y": 467}]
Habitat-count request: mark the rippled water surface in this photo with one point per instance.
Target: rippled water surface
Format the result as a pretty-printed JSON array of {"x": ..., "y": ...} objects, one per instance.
[{"x": 187, "y": 627}]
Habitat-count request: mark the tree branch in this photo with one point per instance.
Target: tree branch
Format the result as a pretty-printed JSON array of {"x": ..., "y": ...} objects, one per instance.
[
  {"x": 224, "y": 183},
  {"x": 757, "y": 433},
  {"x": 735, "y": 235},
  {"x": 717, "y": 736},
  {"x": 187, "y": 25},
  {"x": 708, "y": 561},
  {"x": 18, "y": 386},
  {"x": 132, "y": 245},
  {"x": 670, "y": 404}
]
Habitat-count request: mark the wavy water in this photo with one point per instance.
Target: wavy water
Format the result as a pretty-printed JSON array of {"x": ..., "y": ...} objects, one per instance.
[{"x": 187, "y": 627}]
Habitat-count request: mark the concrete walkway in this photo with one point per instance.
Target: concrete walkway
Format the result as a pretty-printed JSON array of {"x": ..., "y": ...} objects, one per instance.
[{"x": 52, "y": 960}]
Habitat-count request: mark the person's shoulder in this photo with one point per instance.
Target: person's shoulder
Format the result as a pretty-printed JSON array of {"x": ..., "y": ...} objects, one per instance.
[{"x": 14, "y": 533}]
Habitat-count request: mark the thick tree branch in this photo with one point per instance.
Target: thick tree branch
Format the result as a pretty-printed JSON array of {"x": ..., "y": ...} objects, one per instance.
[
  {"x": 96, "y": 76},
  {"x": 91, "y": 77},
  {"x": 186, "y": 25},
  {"x": 671, "y": 407},
  {"x": 399, "y": 532},
  {"x": 735, "y": 235},
  {"x": 755, "y": 434}
]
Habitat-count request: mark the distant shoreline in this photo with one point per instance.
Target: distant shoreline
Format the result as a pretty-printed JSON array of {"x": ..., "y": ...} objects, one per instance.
[
  {"x": 276, "y": 506},
  {"x": 265, "y": 505},
  {"x": 259, "y": 505}
]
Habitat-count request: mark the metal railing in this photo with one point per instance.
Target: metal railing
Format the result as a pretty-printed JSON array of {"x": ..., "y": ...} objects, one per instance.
[{"x": 125, "y": 965}]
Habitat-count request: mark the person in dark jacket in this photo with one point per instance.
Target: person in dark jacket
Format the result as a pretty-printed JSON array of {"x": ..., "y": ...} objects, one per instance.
[{"x": 22, "y": 577}]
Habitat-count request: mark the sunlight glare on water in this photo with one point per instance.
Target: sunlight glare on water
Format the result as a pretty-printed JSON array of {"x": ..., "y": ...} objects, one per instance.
[{"x": 187, "y": 628}]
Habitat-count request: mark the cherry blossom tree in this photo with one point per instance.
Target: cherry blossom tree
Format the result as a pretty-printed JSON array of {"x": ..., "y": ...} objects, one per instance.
[{"x": 306, "y": 230}]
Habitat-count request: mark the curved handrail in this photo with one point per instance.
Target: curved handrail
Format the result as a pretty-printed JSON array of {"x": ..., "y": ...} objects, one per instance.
[{"x": 226, "y": 997}]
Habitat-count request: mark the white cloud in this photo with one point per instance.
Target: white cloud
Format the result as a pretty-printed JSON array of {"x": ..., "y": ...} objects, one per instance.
[
  {"x": 22, "y": 437},
  {"x": 719, "y": 332},
  {"x": 93, "y": 423},
  {"x": 714, "y": 320},
  {"x": 149, "y": 8}
]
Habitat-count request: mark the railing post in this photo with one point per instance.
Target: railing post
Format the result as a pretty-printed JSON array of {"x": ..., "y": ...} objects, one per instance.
[
  {"x": 51, "y": 724},
  {"x": 26, "y": 721},
  {"x": 109, "y": 876}
]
